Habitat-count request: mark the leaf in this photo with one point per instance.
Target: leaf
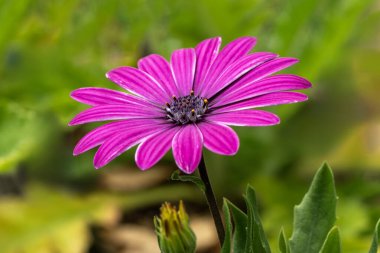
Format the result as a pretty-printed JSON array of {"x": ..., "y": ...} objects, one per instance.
[
  {"x": 315, "y": 215},
  {"x": 240, "y": 228},
  {"x": 332, "y": 243},
  {"x": 226, "y": 248},
  {"x": 283, "y": 242},
  {"x": 256, "y": 239},
  {"x": 376, "y": 238},
  {"x": 188, "y": 178},
  {"x": 47, "y": 215},
  {"x": 21, "y": 134}
]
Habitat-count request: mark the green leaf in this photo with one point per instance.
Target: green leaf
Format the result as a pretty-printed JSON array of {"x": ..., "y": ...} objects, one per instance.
[
  {"x": 283, "y": 242},
  {"x": 315, "y": 215},
  {"x": 376, "y": 239},
  {"x": 47, "y": 215},
  {"x": 20, "y": 131},
  {"x": 226, "y": 248},
  {"x": 240, "y": 228},
  {"x": 256, "y": 239},
  {"x": 332, "y": 243},
  {"x": 188, "y": 178}
]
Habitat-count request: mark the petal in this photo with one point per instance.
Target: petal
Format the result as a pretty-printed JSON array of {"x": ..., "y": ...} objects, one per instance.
[
  {"x": 229, "y": 54},
  {"x": 158, "y": 67},
  {"x": 138, "y": 82},
  {"x": 271, "y": 99},
  {"x": 102, "y": 96},
  {"x": 219, "y": 139},
  {"x": 114, "y": 112},
  {"x": 120, "y": 143},
  {"x": 154, "y": 148},
  {"x": 237, "y": 69},
  {"x": 206, "y": 52},
  {"x": 268, "y": 85},
  {"x": 245, "y": 118},
  {"x": 187, "y": 148},
  {"x": 97, "y": 136},
  {"x": 257, "y": 74},
  {"x": 182, "y": 64}
]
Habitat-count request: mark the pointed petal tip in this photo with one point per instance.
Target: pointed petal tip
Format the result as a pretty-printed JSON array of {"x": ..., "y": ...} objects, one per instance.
[
  {"x": 188, "y": 170},
  {"x": 140, "y": 163}
]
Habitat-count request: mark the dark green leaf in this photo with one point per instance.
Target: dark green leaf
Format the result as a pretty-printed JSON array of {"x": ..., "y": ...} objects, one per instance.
[
  {"x": 240, "y": 220},
  {"x": 332, "y": 243},
  {"x": 376, "y": 239},
  {"x": 315, "y": 216},
  {"x": 188, "y": 178},
  {"x": 226, "y": 248},
  {"x": 283, "y": 242},
  {"x": 256, "y": 239}
]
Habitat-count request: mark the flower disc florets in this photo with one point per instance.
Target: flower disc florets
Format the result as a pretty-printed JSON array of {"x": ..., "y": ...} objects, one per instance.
[{"x": 186, "y": 109}]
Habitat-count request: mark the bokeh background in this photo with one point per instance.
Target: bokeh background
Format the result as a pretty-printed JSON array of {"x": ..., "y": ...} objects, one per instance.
[{"x": 53, "y": 202}]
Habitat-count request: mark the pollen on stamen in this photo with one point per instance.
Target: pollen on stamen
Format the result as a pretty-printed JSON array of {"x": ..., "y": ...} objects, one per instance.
[{"x": 186, "y": 109}]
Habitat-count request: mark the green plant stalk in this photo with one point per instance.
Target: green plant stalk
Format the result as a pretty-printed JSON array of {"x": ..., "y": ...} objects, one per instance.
[{"x": 211, "y": 201}]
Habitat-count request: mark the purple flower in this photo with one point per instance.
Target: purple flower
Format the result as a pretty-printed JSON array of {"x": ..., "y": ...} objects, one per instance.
[{"x": 186, "y": 103}]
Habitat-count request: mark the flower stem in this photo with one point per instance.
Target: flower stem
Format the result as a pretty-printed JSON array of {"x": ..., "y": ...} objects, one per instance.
[{"x": 211, "y": 201}]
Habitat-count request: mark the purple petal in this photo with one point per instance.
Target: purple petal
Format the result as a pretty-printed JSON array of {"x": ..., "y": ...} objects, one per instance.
[
  {"x": 158, "y": 67},
  {"x": 206, "y": 52},
  {"x": 154, "y": 148},
  {"x": 101, "y": 96},
  {"x": 245, "y": 118},
  {"x": 268, "y": 85},
  {"x": 219, "y": 139},
  {"x": 97, "y": 136},
  {"x": 237, "y": 69},
  {"x": 183, "y": 68},
  {"x": 120, "y": 143},
  {"x": 114, "y": 112},
  {"x": 271, "y": 99},
  {"x": 229, "y": 54},
  {"x": 257, "y": 74},
  {"x": 138, "y": 82},
  {"x": 187, "y": 148}
]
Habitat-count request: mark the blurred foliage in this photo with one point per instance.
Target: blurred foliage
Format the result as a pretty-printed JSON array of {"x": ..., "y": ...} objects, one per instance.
[{"x": 48, "y": 48}]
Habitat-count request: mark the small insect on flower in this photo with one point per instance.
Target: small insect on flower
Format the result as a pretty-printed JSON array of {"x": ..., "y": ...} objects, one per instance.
[{"x": 186, "y": 103}]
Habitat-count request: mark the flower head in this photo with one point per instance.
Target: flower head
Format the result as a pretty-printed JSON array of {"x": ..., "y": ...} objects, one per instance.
[
  {"x": 173, "y": 230},
  {"x": 186, "y": 103}
]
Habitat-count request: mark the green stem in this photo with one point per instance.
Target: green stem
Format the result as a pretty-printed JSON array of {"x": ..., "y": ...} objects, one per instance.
[{"x": 211, "y": 201}]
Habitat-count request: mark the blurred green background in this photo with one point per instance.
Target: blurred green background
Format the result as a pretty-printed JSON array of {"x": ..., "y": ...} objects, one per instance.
[{"x": 53, "y": 202}]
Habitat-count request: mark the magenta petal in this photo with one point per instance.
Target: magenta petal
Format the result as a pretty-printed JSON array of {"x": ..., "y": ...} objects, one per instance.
[
  {"x": 138, "y": 82},
  {"x": 118, "y": 144},
  {"x": 100, "y": 134},
  {"x": 229, "y": 54},
  {"x": 154, "y": 148},
  {"x": 206, "y": 52},
  {"x": 245, "y": 118},
  {"x": 268, "y": 85},
  {"x": 257, "y": 74},
  {"x": 219, "y": 139},
  {"x": 158, "y": 67},
  {"x": 183, "y": 63},
  {"x": 102, "y": 96},
  {"x": 114, "y": 112},
  {"x": 237, "y": 69},
  {"x": 271, "y": 99},
  {"x": 187, "y": 148}
]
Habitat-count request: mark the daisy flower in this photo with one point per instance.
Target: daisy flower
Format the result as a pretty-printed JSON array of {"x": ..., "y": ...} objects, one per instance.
[{"x": 186, "y": 103}]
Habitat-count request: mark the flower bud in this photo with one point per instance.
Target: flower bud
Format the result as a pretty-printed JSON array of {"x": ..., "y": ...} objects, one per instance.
[{"x": 173, "y": 230}]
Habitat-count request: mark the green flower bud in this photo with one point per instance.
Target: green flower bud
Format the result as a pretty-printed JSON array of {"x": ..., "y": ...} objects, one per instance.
[{"x": 173, "y": 230}]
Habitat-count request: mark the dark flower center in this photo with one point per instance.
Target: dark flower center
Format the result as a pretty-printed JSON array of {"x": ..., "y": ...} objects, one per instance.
[{"x": 187, "y": 109}]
